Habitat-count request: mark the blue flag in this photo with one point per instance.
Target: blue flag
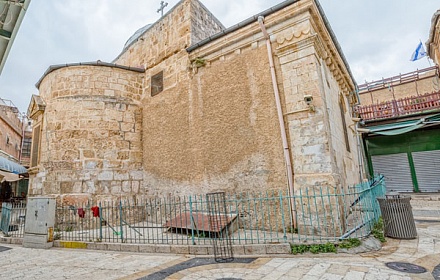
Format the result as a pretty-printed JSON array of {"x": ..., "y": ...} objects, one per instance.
[{"x": 418, "y": 53}]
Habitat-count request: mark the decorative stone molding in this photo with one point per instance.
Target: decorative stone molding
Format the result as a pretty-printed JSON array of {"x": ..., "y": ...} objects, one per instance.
[
  {"x": 36, "y": 107},
  {"x": 288, "y": 36}
]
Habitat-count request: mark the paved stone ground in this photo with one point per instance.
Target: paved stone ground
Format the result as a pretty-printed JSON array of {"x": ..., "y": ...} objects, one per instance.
[{"x": 56, "y": 263}]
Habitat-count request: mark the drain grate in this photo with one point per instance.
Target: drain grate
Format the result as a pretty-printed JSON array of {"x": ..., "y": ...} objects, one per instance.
[
  {"x": 436, "y": 272},
  {"x": 2, "y": 249},
  {"x": 406, "y": 267}
]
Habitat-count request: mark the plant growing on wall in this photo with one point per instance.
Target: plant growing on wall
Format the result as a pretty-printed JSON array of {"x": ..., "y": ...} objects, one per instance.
[{"x": 199, "y": 62}]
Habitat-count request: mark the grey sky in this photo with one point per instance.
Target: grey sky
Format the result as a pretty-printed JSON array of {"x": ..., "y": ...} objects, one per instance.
[{"x": 376, "y": 36}]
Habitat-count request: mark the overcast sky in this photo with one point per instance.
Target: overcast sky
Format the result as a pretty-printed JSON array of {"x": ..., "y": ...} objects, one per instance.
[{"x": 376, "y": 36}]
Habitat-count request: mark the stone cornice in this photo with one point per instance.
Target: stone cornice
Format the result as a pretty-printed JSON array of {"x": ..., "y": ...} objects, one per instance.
[
  {"x": 36, "y": 107},
  {"x": 327, "y": 49},
  {"x": 251, "y": 33},
  {"x": 309, "y": 29},
  {"x": 92, "y": 64}
]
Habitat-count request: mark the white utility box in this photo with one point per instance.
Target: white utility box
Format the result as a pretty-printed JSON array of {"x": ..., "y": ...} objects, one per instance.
[{"x": 40, "y": 220}]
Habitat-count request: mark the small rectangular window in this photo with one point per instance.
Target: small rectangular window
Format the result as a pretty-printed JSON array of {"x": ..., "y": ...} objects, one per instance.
[
  {"x": 26, "y": 147},
  {"x": 157, "y": 83},
  {"x": 35, "y": 146}
]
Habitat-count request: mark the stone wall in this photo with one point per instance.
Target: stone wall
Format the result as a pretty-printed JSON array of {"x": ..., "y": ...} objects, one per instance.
[
  {"x": 311, "y": 67},
  {"x": 161, "y": 42},
  {"x": 214, "y": 126},
  {"x": 91, "y": 140},
  {"x": 204, "y": 23},
  {"x": 223, "y": 135},
  {"x": 225, "y": 132}
]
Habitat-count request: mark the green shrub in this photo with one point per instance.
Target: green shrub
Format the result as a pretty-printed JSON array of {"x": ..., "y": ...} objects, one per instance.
[
  {"x": 349, "y": 243},
  {"x": 328, "y": 248},
  {"x": 377, "y": 231},
  {"x": 314, "y": 248},
  {"x": 299, "y": 249}
]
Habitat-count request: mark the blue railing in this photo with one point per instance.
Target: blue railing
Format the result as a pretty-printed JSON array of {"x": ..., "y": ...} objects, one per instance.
[{"x": 13, "y": 219}]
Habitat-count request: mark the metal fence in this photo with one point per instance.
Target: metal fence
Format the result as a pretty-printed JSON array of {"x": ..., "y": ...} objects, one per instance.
[
  {"x": 314, "y": 215},
  {"x": 13, "y": 218}
]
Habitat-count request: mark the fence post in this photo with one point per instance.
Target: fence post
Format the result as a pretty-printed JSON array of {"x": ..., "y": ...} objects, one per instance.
[
  {"x": 282, "y": 215},
  {"x": 120, "y": 221},
  {"x": 100, "y": 221},
  {"x": 192, "y": 220}
]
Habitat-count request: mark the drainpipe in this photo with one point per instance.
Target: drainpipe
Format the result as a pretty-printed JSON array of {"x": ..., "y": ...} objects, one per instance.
[{"x": 281, "y": 120}]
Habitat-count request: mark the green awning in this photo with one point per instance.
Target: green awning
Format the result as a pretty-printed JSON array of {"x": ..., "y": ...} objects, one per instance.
[{"x": 403, "y": 127}]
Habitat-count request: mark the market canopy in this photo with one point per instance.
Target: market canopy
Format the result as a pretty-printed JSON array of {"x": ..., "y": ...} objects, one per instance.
[
  {"x": 9, "y": 177},
  {"x": 403, "y": 127},
  {"x": 9, "y": 166}
]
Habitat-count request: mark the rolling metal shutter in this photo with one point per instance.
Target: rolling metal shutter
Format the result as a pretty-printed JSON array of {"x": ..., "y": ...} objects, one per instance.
[
  {"x": 427, "y": 168},
  {"x": 396, "y": 170}
]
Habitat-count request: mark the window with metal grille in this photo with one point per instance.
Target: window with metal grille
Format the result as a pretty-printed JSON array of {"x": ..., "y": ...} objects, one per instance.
[
  {"x": 35, "y": 146},
  {"x": 26, "y": 147},
  {"x": 157, "y": 83}
]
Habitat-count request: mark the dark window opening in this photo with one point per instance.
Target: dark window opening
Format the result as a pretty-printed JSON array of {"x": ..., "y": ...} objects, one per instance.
[
  {"x": 344, "y": 123},
  {"x": 35, "y": 146},
  {"x": 157, "y": 83},
  {"x": 26, "y": 147}
]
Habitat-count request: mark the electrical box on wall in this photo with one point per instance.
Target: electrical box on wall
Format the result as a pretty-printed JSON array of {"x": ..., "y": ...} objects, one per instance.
[{"x": 40, "y": 220}]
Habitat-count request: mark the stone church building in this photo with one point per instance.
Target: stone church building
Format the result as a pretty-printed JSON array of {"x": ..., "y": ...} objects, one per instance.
[{"x": 192, "y": 107}]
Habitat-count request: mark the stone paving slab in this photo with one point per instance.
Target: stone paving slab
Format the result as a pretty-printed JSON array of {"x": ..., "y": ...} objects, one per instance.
[
  {"x": 67, "y": 263},
  {"x": 54, "y": 263}
]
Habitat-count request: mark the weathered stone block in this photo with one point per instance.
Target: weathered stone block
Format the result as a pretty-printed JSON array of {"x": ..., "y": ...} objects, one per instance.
[
  {"x": 130, "y": 247},
  {"x": 278, "y": 248},
  {"x": 255, "y": 249},
  {"x": 163, "y": 249},
  {"x": 105, "y": 176},
  {"x": 180, "y": 249}
]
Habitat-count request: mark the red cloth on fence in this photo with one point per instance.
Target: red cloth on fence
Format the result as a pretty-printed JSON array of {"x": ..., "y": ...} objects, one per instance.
[
  {"x": 81, "y": 213},
  {"x": 95, "y": 211}
]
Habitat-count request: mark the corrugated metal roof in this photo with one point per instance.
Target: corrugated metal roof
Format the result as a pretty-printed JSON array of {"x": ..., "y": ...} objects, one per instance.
[{"x": 405, "y": 126}]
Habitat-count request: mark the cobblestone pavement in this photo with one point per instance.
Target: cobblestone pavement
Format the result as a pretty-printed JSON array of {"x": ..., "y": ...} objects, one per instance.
[{"x": 56, "y": 263}]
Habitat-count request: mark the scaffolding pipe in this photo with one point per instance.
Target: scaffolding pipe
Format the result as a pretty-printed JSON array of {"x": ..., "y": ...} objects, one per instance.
[{"x": 281, "y": 120}]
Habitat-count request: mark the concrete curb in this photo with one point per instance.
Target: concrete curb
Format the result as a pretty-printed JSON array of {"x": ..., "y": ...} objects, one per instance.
[{"x": 196, "y": 250}]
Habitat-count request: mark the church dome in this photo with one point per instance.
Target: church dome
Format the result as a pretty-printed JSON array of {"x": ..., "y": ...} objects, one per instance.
[{"x": 136, "y": 35}]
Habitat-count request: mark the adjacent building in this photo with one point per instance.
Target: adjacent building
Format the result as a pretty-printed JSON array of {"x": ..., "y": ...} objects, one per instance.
[
  {"x": 10, "y": 20},
  {"x": 13, "y": 182},
  {"x": 401, "y": 124}
]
